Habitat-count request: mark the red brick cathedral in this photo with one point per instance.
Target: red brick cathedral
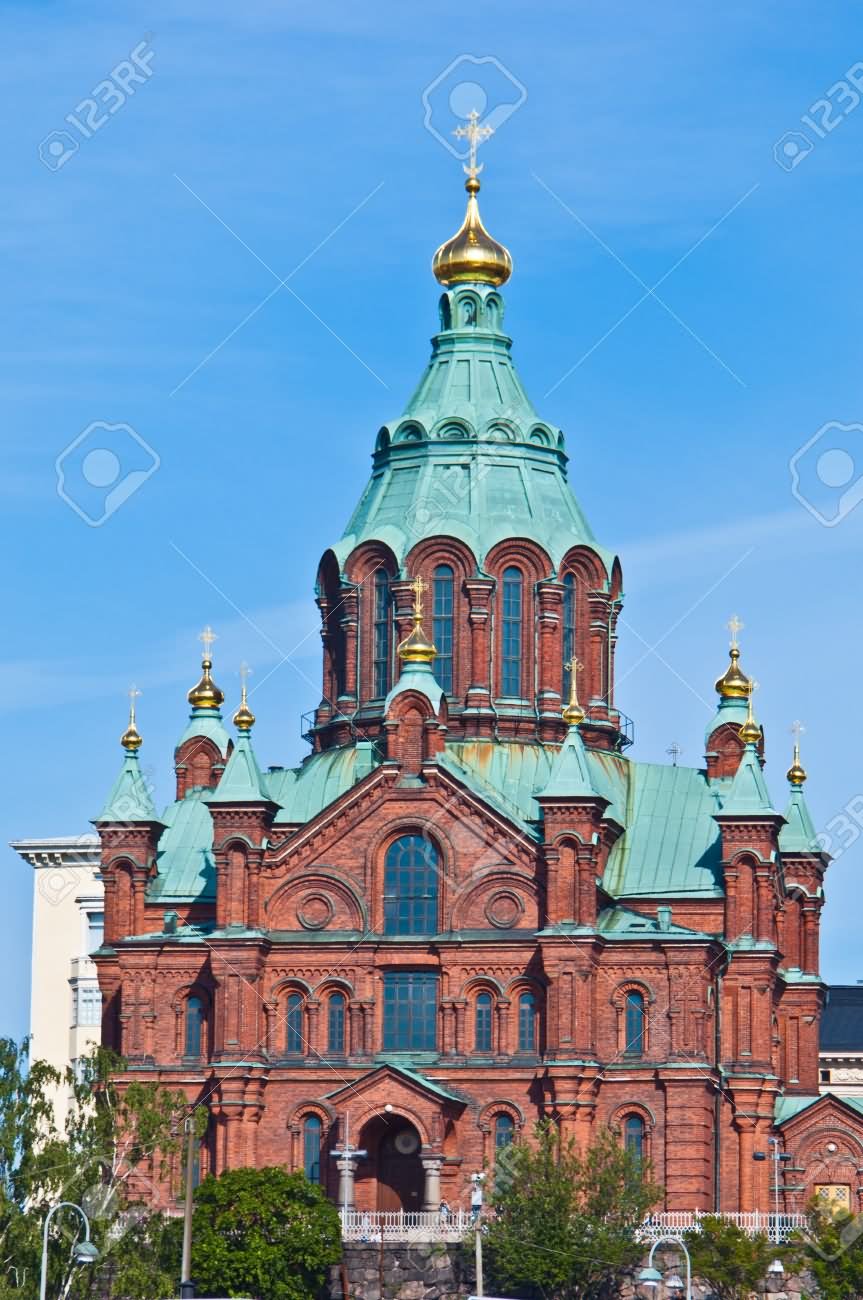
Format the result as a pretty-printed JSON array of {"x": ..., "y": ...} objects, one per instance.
[{"x": 468, "y": 908}]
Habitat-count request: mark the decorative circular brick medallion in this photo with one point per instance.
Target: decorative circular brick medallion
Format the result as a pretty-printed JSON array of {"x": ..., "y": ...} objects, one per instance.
[
  {"x": 315, "y": 911},
  {"x": 504, "y": 909}
]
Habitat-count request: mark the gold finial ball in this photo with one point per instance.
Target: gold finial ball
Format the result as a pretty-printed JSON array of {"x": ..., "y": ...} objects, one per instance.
[
  {"x": 573, "y": 714},
  {"x": 244, "y": 718},
  {"x": 131, "y": 739},
  {"x": 796, "y": 773},
  {"x": 416, "y": 647},
  {"x": 205, "y": 694},
  {"x": 733, "y": 684},
  {"x": 750, "y": 732},
  {"x": 472, "y": 256}
]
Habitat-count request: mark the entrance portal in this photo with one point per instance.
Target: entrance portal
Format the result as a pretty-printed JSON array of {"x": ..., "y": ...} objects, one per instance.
[{"x": 401, "y": 1178}]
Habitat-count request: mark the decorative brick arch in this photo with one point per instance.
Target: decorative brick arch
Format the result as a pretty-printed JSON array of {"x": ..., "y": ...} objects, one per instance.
[
  {"x": 618, "y": 1001},
  {"x": 496, "y": 881},
  {"x": 534, "y": 565},
  {"x": 333, "y": 891},
  {"x": 422, "y": 561},
  {"x": 376, "y": 858},
  {"x": 360, "y": 568},
  {"x": 179, "y": 1003},
  {"x": 618, "y": 1118}
]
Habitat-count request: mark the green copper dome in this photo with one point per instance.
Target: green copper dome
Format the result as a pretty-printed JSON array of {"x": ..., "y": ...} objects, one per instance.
[{"x": 470, "y": 457}]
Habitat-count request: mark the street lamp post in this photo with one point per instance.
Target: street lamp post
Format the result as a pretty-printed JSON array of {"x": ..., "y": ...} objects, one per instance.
[
  {"x": 84, "y": 1252},
  {"x": 651, "y": 1276}
]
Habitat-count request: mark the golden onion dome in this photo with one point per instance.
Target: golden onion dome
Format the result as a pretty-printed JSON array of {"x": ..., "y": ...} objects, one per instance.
[
  {"x": 796, "y": 773},
  {"x": 131, "y": 737},
  {"x": 244, "y": 718},
  {"x": 750, "y": 732},
  {"x": 733, "y": 684},
  {"x": 416, "y": 647},
  {"x": 573, "y": 713},
  {"x": 205, "y": 694},
  {"x": 472, "y": 256}
]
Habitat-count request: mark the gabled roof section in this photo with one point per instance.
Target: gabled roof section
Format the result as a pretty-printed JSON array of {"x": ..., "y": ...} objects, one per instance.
[
  {"x": 788, "y": 1108},
  {"x": 798, "y": 835},
  {"x": 398, "y": 1074},
  {"x": 130, "y": 799},
  {"x": 242, "y": 780},
  {"x": 302, "y": 792},
  {"x": 185, "y": 870},
  {"x": 570, "y": 776},
  {"x": 748, "y": 795}
]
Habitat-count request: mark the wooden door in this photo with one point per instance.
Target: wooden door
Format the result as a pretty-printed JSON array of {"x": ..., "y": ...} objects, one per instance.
[{"x": 400, "y": 1171}]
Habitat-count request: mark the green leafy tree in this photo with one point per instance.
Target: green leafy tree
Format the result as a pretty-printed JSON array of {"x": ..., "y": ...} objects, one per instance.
[
  {"x": 728, "y": 1259},
  {"x": 832, "y": 1252},
  {"x": 263, "y": 1233},
  {"x": 564, "y": 1222}
]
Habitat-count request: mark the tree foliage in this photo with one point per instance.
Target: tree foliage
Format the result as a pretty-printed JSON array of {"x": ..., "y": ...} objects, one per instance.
[
  {"x": 263, "y": 1233},
  {"x": 728, "y": 1259},
  {"x": 833, "y": 1253},
  {"x": 564, "y": 1220}
]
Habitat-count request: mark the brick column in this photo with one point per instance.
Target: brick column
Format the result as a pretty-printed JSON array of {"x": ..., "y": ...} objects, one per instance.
[
  {"x": 478, "y": 716},
  {"x": 549, "y": 661}
]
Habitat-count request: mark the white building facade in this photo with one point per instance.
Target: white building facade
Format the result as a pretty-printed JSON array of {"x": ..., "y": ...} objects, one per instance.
[{"x": 68, "y": 915}]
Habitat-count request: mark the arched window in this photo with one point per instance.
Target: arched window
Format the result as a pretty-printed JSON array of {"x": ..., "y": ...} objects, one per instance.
[
  {"x": 633, "y": 1135},
  {"x": 294, "y": 1044},
  {"x": 442, "y": 621},
  {"x": 512, "y": 599},
  {"x": 194, "y": 1027},
  {"x": 527, "y": 1023},
  {"x": 504, "y": 1131},
  {"x": 312, "y": 1148},
  {"x": 336, "y": 1024},
  {"x": 634, "y": 1023},
  {"x": 410, "y": 886},
  {"x": 482, "y": 1027},
  {"x": 568, "y": 630},
  {"x": 381, "y": 634}
]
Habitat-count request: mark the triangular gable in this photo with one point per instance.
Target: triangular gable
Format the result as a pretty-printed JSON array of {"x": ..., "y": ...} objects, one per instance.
[
  {"x": 851, "y": 1106},
  {"x": 415, "y": 1083}
]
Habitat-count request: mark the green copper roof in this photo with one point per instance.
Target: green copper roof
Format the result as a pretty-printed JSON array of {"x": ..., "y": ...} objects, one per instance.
[
  {"x": 184, "y": 861},
  {"x": 788, "y": 1107},
  {"x": 417, "y": 677},
  {"x": 242, "y": 780},
  {"x": 207, "y": 722},
  {"x": 729, "y": 710},
  {"x": 304, "y": 791},
  {"x": 569, "y": 775},
  {"x": 469, "y": 456},
  {"x": 747, "y": 794},
  {"x": 798, "y": 835},
  {"x": 130, "y": 799}
]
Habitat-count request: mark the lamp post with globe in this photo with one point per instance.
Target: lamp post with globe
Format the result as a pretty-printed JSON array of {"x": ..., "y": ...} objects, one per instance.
[
  {"x": 84, "y": 1251},
  {"x": 651, "y": 1277}
]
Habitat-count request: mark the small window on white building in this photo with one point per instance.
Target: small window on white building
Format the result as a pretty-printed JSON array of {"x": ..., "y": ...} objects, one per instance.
[
  {"x": 87, "y": 1004},
  {"x": 95, "y": 930}
]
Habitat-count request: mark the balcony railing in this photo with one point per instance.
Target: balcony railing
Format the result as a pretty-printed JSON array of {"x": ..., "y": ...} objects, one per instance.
[{"x": 424, "y": 1226}]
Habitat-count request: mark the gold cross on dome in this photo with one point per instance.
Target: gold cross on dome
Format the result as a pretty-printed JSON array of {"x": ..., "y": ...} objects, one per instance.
[
  {"x": 573, "y": 666},
  {"x": 207, "y": 637},
  {"x": 418, "y": 588},
  {"x": 475, "y": 135},
  {"x": 734, "y": 626},
  {"x": 133, "y": 695},
  {"x": 245, "y": 674},
  {"x": 797, "y": 730}
]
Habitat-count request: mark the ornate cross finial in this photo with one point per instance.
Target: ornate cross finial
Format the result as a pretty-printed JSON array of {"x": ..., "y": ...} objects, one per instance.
[
  {"x": 475, "y": 135},
  {"x": 675, "y": 750},
  {"x": 207, "y": 637},
  {"x": 573, "y": 713},
  {"x": 797, "y": 730},
  {"x": 134, "y": 693},
  {"x": 734, "y": 626},
  {"x": 245, "y": 674},
  {"x": 418, "y": 586}
]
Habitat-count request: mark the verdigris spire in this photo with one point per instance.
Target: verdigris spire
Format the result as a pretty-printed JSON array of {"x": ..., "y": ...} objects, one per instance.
[
  {"x": 242, "y": 780},
  {"x": 798, "y": 835},
  {"x": 417, "y": 655},
  {"x": 570, "y": 774},
  {"x": 130, "y": 799}
]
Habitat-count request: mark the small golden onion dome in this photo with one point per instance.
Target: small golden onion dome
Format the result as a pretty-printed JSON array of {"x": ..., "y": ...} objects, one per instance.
[
  {"x": 796, "y": 773},
  {"x": 750, "y": 732},
  {"x": 131, "y": 737},
  {"x": 416, "y": 647},
  {"x": 472, "y": 256},
  {"x": 206, "y": 694},
  {"x": 733, "y": 684},
  {"x": 244, "y": 718}
]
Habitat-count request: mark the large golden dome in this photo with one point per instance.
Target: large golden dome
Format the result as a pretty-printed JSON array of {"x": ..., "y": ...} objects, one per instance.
[{"x": 472, "y": 256}]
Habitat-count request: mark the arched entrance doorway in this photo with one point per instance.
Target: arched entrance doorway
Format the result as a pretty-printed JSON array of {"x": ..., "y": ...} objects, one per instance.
[{"x": 401, "y": 1177}]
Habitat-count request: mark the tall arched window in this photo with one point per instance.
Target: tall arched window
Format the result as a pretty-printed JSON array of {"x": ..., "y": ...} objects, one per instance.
[
  {"x": 381, "y": 634},
  {"x": 336, "y": 1024},
  {"x": 410, "y": 886},
  {"x": 194, "y": 1027},
  {"x": 504, "y": 1131},
  {"x": 294, "y": 1044},
  {"x": 527, "y": 1023},
  {"x": 512, "y": 600},
  {"x": 568, "y": 630},
  {"x": 634, "y": 1023},
  {"x": 442, "y": 624},
  {"x": 482, "y": 1034},
  {"x": 312, "y": 1148},
  {"x": 633, "y": 1135}
]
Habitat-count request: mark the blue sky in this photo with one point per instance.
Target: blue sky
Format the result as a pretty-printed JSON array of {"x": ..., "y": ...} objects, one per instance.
[{"x": 272, "y": 141}]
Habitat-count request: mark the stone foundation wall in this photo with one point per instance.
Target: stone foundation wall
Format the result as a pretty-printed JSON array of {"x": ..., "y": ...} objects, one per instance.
[{"x": 444, "y": 1272}]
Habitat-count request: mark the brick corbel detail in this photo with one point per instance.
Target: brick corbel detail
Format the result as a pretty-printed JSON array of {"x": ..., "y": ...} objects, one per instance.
[{"x": 478, "y": 716}]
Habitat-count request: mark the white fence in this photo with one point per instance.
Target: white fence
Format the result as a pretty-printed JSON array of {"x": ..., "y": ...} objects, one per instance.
[
  {"x": 423, "y": 1226},
  {"x": 404, "y": 1225},
  {"x": 778, "y": 1227}
]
